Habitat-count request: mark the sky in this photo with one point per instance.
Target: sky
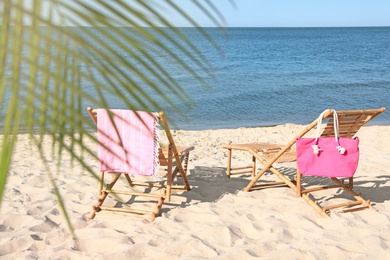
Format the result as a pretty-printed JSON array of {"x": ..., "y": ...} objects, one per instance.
[
  {"x": 294, "y": 13},
  {"x": 281, "y": 13}
]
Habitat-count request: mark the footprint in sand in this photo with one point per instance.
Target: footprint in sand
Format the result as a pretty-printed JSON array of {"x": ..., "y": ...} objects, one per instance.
[
  {"x": 44, "y": 227},
  {"x": 17, "y": 244},
  {"x": 185, "y": 216},
  {"x": 17, "y": 221}
]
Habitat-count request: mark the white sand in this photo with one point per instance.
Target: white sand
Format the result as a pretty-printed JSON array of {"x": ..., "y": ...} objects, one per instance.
[{"x": 216, "y": 219}]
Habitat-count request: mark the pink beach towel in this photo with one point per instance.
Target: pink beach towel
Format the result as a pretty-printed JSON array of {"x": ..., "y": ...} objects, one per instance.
[{"x": 136, "y": 131}]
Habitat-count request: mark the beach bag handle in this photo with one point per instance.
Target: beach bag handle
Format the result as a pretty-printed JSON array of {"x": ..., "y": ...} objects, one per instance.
[{"x": 315, "y": 147}]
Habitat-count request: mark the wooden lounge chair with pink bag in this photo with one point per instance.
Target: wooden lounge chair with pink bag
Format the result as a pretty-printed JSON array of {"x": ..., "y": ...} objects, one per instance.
[
  {"x": 129, "y": 146},
  {"x": 331, "y": 156}
]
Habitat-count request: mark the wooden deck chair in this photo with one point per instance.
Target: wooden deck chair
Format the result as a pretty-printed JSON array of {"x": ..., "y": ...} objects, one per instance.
[
  {"x": 172, "y": 161},
  {"x": 350, "y": 121}
]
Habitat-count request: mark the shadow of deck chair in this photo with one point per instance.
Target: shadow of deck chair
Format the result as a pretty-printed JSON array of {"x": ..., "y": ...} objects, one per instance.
[
  {"x": 172, "y": 161},
  {"x": 350, "y": 121}
]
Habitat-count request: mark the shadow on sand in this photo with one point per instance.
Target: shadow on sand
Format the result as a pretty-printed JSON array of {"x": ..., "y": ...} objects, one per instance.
[{"x": 209, "y": 184}]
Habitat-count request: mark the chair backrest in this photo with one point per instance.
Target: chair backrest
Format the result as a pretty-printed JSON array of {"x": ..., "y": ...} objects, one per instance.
[
  {"x": 350, "y": 121},
  {"x": 163, "y": 160},
  {"x": 128, "y": 142}
]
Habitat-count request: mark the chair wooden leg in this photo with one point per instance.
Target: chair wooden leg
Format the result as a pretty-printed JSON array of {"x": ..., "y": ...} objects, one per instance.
[
  {"x": 169, "y": 173},
  {"x": 229, "y": 162},
  {"x": 101, "y": 182},
  {"x": 129, "y": 180},
  {"x": 357, "y": 197},
  {"x": 103, "y": 196},
  {"x": 315, "y": 205},
  {"x": 185, "y": 162},
  {"x": 266, "y": 167},
  {"x": 157, "y": 210},
  {"x": 298, "y": 183},
  {"x": 253, "y": 166}
]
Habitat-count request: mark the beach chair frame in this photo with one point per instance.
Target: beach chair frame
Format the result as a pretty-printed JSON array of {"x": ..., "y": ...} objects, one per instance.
[
  {"x": 173, "y": 160},
  {"x": 350, "y": 121}
]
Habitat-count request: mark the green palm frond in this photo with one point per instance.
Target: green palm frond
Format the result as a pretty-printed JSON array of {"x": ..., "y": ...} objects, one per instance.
[{"x": 50, "y": 71}]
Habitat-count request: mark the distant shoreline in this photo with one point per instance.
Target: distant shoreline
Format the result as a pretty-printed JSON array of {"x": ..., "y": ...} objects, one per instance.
[{"x": 92, "y": 130}]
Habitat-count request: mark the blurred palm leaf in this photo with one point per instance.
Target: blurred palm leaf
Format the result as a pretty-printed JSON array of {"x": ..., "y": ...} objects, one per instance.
[{"x": 51, "y": 72}]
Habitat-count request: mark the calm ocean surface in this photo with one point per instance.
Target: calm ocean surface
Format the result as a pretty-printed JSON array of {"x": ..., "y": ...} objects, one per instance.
[{"x": 270, "y": 76}]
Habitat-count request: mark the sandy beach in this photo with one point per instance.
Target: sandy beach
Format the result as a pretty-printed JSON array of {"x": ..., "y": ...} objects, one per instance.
[{"x": 215, "y": 220}]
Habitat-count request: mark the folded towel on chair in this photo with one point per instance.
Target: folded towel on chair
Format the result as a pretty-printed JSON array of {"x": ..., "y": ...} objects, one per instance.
[{"x": 128, "y": 142}]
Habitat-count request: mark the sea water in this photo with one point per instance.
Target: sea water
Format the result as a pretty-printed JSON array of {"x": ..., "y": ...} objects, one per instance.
[{"x": 270, "y": 76}]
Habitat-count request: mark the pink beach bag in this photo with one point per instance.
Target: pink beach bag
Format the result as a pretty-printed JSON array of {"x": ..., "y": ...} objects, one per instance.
[{"x": 328, "y": 156}]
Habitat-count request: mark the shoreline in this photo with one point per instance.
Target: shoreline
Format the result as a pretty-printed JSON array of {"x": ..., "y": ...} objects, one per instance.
[
  {"x": 266, "y": 223},
  {"x": 92, "y": 130}
]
